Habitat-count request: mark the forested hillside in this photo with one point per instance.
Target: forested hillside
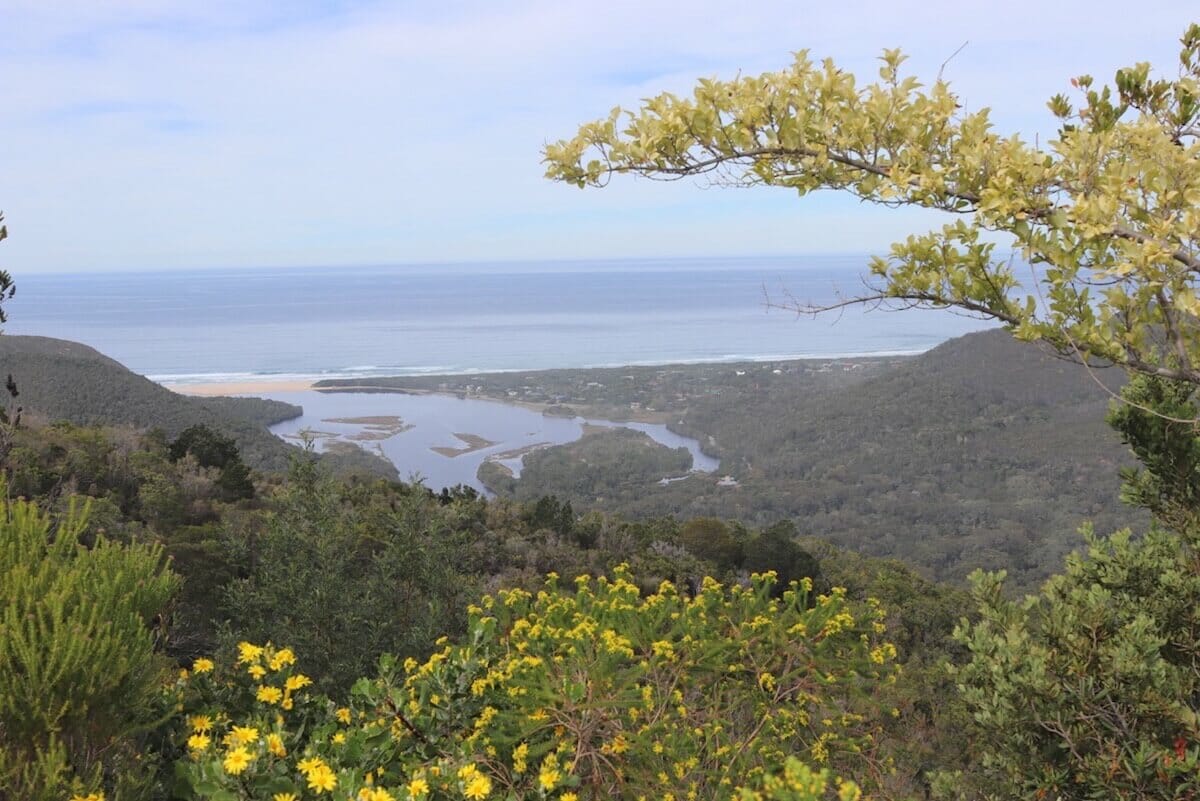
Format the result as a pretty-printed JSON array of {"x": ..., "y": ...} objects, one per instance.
[
  {"x": 981, "y": 453},
  {"x": 344, "y": 571},
  {"x": 61, "y": 380}
]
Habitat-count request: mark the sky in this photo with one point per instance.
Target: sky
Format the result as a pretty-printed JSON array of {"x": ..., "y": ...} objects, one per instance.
[{"x": 157, "y": 135}]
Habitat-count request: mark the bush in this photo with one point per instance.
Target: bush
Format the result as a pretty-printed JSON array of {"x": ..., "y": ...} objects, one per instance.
[
  {"x": 596, "y": 694},
  {"x": 80, "y": 679},
  {"x": 1089, "y": 689}
]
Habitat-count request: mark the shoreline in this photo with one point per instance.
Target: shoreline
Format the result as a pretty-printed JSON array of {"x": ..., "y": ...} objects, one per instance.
[
  {"x": 323, "y": 383},
  {"x": 226, "y": 388},
  {"x": 378, "y": 384}
]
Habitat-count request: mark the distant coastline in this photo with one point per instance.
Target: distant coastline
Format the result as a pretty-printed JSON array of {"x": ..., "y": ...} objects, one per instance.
[{"x": 417, "y": 382}]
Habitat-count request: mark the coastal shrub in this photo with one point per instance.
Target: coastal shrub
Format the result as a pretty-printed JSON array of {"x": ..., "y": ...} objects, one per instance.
[
  {"x": 345, "y": 574},
  {"x": 1088, "y": 690},
  {"x": 212, "y": 449},
  {"x": 713, "y": 540},
  {"x": 80, "y": 681},
  {"x": 596, "y": 692}
]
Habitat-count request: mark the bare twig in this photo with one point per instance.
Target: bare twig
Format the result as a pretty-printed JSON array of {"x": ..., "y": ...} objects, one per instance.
[{"x": 950, "y": 58}]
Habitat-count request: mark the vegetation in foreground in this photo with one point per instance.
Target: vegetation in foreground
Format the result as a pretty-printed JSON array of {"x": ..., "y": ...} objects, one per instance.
[{"x": 615, "y": 688}]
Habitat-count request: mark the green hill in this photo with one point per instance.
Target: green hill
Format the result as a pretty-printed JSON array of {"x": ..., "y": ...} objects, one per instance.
[
  {"x": 62, "y": 380},
  {"x": 983, "y": 452}
]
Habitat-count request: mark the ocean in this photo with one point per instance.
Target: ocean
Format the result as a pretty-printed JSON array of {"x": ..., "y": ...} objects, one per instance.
[{"x": 310, "y": 323}]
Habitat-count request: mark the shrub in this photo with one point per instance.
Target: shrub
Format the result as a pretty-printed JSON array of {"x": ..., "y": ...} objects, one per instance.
[
  {"x": 597, "y": 693},
  {"x": 79, "y": 676}
]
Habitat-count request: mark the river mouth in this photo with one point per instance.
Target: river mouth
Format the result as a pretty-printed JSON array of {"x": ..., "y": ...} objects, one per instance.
[{"x": 443, "y": 439}]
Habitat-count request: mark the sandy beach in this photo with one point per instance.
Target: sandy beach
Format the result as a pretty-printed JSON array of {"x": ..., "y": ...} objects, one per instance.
[{"x": 240, "y": 387}]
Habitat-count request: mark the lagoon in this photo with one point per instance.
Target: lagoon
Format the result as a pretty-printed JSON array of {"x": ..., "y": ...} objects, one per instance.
[{"x": 443, "y": 439}]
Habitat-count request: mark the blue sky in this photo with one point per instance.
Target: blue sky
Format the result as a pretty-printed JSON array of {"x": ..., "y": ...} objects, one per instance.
[{"x": 146, "y": 134}]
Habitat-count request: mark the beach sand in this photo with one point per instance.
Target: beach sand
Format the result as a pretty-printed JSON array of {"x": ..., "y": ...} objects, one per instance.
[{"x": 239, "y": 387}]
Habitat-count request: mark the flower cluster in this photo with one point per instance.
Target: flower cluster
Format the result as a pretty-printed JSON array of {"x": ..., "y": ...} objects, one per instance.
[
  {"x": 240, "y": 723},
  {"x": 593, "y": 691}
]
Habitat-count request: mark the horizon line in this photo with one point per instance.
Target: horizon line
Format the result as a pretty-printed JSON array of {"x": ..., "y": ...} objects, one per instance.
[{"x": 508, "y": 262}]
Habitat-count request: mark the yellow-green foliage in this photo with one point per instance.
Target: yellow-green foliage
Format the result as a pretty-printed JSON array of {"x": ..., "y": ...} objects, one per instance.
[
  {"x": 78, "y": 672},
  {"x": 592, "y": 693},
  {"x": 1109, "y": 210}
]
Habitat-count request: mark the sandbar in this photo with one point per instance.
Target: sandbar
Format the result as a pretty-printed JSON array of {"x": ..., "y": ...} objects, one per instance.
[
  {"x": 474, "y": 442},
  {"x": 518, "y": 452},
  {"x": 376, "y": 427},
  {"x": 240, "y": 387}
]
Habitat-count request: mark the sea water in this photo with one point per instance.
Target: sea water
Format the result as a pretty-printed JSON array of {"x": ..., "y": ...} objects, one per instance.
[{"x": 239, "y": 325}]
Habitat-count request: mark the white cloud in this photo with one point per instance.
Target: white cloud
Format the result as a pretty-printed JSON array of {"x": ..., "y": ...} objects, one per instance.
[{"x": 160, "y": 134}]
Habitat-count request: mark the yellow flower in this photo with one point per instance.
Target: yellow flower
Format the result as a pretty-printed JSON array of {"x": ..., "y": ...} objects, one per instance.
[
  {"x": 568, "y": 797},
  {"x": 519, "y": 755},
  {"x": 237, "y": 761},
  {"x": 343, "y": 714},
  {"x": 322, "y": 779},
  {"x": 307, "y": 766},
  {"x": 275, "y": 745},
  {"x": 88, "y": 797},
  {"x": 244, "y": 734},
  {"x": 299, "y": 681},
  {"x": 282, "y": 659},
  {"x": 248, "y": 652},
  {"x": 548, "y": 777},
  {"x": 200, "y": 723},
  {"x": 378, "y": 794},
  {"x": 478, "y": 788},
  {"x": 287, "y": 704},
  {"x": 257, "y": 671},
  {"x": 467, "y": 772},
  {"x": 417, "y": 787},
  {"x": 198, "y": 742},
  {"x": 269, "y": 695},
  {"x": 285, "y": 797},
  {"x": 202, "y": 666},
  {"x": 339, "y": 738}
]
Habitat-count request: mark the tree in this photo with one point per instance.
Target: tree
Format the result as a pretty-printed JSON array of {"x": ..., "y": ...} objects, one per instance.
[
  {"x": 344, "y": 577},
  {"x": 211, "y": 449},
  {"x": 1107, "y": 214},
  {"x": 711, "y": 539},
  {"x": 7, "y": 287},
  {"x": 10, "y": 415},
  {"x": 1089, "y": 689}
]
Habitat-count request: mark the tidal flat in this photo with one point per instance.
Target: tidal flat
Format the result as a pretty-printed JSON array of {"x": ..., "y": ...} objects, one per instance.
[{"x": 429, "y": 444}]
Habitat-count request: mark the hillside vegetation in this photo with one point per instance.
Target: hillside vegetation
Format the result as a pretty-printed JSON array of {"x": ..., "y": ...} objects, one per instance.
[
  {"x": 346, "y": 570},
  {"x": 61, "y": 380},
  {"x": 980, "y": 453}
]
